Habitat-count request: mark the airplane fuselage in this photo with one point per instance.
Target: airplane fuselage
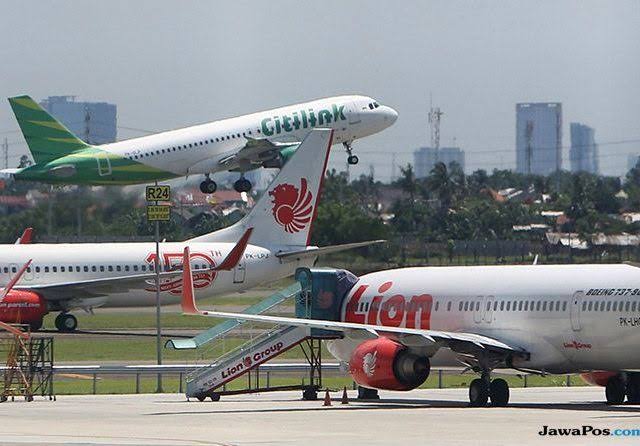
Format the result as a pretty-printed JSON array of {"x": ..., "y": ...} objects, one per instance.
[
  {"x": 104, "y": 260},
  {"x": 201, "y": 149},
  {"x": 569, "y": 317}
]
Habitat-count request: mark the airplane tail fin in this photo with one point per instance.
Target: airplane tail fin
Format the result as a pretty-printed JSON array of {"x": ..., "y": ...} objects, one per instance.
[
  {"x": 283, "y": 216},
  {"x": 46, "y": 137}
]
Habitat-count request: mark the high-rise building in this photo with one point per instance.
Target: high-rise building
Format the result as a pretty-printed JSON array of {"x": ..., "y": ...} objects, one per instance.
[
  {"x": 584, "y": 151},
  {"x": 539, "y": 137},
  {"x": 426, "y": 157},
  {"x": 632, "y": 161},
  {"x": 93, "y": 122}
]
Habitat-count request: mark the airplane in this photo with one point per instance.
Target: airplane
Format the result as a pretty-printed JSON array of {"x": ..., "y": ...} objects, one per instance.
[
  {"x": 542, "y": 319},
  {"x": 65, "y": 277},
  {"x": 240, "y": 144}
]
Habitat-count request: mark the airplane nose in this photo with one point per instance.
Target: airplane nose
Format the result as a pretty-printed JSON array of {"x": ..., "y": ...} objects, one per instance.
[{"x": 390, "y": 115}]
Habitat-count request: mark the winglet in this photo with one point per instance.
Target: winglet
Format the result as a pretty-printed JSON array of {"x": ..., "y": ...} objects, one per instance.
[
  {"x": 26, "y": 237},
  {"x": 14, "y": 280},
  {"x": 234, "y": 257},
  {"x": 188, "y": 301}
]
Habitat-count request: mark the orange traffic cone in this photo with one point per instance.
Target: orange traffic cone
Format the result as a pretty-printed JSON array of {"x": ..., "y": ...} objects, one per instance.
[
  {"x": 345, "y": 398},
  {"x": 327, "y": 399}
]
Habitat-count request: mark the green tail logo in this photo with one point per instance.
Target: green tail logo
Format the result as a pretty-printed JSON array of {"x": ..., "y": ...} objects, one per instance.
[{"x": 46, "y": 137}]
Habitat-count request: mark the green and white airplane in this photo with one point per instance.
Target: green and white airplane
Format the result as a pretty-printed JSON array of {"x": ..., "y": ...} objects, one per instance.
[{"x": 240, "y": 144}]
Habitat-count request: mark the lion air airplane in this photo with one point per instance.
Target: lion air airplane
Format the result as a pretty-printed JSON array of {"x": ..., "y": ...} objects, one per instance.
[
  {"x": 63, "y": 277},
  {"x": 240, "y": 144},
  {"x": 545, "y": 319}
]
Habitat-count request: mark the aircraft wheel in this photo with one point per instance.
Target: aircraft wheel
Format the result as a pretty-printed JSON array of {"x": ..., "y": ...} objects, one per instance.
[
  {"x": 478, "y": 393},
  {"x": 614, "y": 391},
  {"x": 352, "y": 159},
  {"x": 215, "y": 396},
  {"x": 66, "y": 322},
  {"x": 201, "y": 397},
  {"x": 35, "y": 326},
  {"x": 367, "y": 394},
  {"x": 309, "y": 394},
  {"x": 633, "y": 388},
  {"x": 499, "y": 392},
  {"x": 208, "y": 187},
  {"x": 242, "y": 185}
]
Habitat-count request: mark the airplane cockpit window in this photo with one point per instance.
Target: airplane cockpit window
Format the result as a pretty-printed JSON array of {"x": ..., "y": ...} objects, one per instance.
[
  {"x": 370, "y": 106},
  {"x": 376, "y": 105}
]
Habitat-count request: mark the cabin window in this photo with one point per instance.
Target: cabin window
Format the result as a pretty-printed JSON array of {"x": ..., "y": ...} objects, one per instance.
[
  {"x": 449, "y": 306},
  {"x": 502, "y": 306},
  {"x": 126, "y": 267},
  {"x": 609, "y": 306},
  {"x": 77, "y": 269},
  {"x": 110, "y": 268},
  {"x": 37, "y": 269},
  {"x": 118, "y": 268},
  {"x": 46, "y": 269},
  {"x": 460, "y": 306},
  {"x": 558, "y": 306},
  {"x": 135, "y": 267},
  {"x": 144, "y": 267},
  {"x": 466, "y": 306},
  {"x": 634, "y": 306},
  {"x": 526, "y": 305},
  {"x": 101, "y": 268},
  {"x": 437, "y": 305},
  {"x": 62, "y": 269},
  {"x": 509, "y": 306},
  {"x": 93, "y": 268},
  {"x": 5, "y": 269},
  {"x": 584, "y": 305},
  {"x": 627, "y": 306},
  {"x": 488, "y": 306},
  {"x": 28, "y": 269},
  {"x": 590, "y": 306},
  {"x": 495, "y": 305}
]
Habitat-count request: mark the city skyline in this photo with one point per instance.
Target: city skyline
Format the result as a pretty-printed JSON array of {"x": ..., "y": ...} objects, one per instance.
[{"x": 166, "y": 66}]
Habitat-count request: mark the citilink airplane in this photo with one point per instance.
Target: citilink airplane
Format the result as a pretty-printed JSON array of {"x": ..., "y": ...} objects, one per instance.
[
  {"x": 268, "y": 244},
  {"x": 240, "y": 144}
]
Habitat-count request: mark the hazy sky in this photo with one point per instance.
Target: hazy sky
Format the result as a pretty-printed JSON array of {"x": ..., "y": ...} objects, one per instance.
[{"x": 171, "y": 64}]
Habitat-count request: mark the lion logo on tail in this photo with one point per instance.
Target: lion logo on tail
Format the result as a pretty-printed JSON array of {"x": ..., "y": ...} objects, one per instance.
[{"x": 292, "y": 207}]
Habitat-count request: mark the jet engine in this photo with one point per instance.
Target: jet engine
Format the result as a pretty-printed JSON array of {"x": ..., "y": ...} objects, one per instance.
[
  {"x": 23, "y": 307},
  {"x": 385, "y": 364}
]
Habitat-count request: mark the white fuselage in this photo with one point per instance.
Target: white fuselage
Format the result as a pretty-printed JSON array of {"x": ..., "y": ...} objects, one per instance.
[
  {"x": 200, "y": 149},
  {"x": 569, "y": 317},
  {"x": 61, "y": 263}
]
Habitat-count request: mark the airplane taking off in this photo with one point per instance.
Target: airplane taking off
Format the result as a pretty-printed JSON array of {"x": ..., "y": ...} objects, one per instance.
[
  {"x": 543, "y": 319},
  {"x": 64, "y": 277},
  {"x": 240, "y": 144}
]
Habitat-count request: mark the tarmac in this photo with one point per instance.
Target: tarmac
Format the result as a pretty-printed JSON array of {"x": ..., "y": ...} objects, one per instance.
[{"x": 431, "y": 417}]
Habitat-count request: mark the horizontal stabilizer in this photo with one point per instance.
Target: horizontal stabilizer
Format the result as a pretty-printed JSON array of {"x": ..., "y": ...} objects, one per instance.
[{"x": 312, "y": 251}]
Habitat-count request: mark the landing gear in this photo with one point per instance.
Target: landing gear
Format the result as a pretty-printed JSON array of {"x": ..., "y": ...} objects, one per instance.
[
  {"x": 310, "y": 394},
  {"x": 478, "y": 393},
  {"x": 242, "y": 185},
  {"x": 615, "y": 390},
  {"x": 35, "y": 326},
  {"x": 367, "y": 394},
  {"x": 633, "y": 388},
  {"x": 351, "y": 159},
  {"x": 483, "y": 389},
  {"x": 66, "y": 322},
  {"x": 499, "y": 392},
  {"x": 208, "y": 186}
]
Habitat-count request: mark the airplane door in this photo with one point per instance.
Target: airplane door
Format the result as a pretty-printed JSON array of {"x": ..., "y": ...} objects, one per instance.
[
  {"x": 104, "y": 165},
  {"x": 478, "y": 309},
  {"x": 576, "y": 304},
  {"x": 239, "y": 272},
  {"x": 488, "y": 312}
]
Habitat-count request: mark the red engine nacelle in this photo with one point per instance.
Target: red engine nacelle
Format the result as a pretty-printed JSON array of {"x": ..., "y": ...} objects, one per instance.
[
  {"x": 23, "y": 307},
  {"x": 385, "y": 364},
  {"x": 597, "y": 378}
]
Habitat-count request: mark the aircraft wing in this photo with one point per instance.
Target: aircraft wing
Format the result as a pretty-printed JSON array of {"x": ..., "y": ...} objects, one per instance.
[
  {"x": 254, "y": 152},
  {"x": 312, "y": 251},
  {"x": 459, "y": 342},
  {"x": 91, "y": 288}
]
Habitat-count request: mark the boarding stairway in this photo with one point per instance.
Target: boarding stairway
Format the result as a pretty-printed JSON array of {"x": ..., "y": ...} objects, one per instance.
[{"x": 318, "y": 294}]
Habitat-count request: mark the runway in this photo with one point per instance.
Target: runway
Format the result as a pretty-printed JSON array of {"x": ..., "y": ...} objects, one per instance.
[{"x": 417, "y": 417}]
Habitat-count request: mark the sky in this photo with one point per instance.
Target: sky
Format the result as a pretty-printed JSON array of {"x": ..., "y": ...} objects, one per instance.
[{"x": 169, "y": 64}]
